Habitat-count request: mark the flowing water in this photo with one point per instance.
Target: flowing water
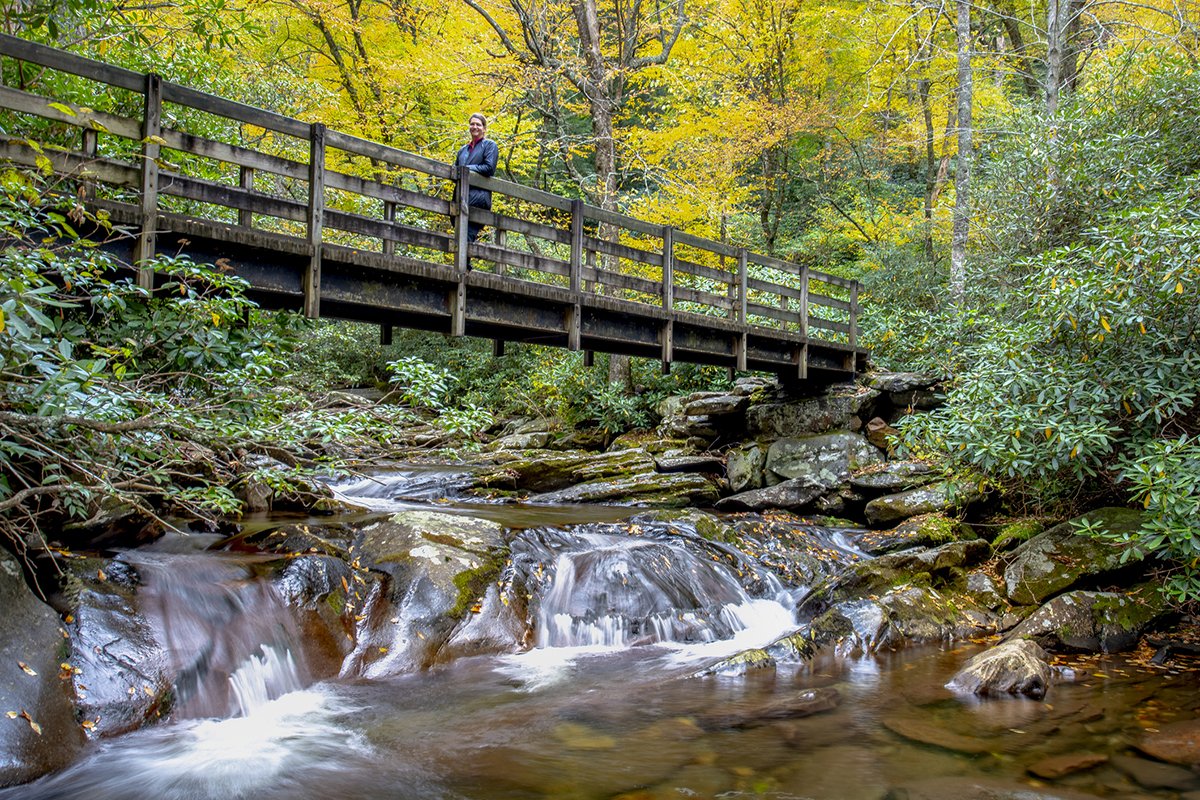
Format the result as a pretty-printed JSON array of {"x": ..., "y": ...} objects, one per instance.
[{"x": 608, "y": 704}]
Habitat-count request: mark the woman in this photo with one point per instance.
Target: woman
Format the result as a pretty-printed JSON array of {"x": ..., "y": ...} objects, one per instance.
[{"x": 479, "y": 155}]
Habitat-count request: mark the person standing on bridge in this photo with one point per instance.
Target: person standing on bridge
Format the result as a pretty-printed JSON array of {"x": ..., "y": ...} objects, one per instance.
[{"x": 480, "y": 155}]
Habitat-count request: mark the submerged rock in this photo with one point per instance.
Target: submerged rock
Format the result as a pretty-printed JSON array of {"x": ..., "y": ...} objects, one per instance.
[
  {"x": 1062, "y": 558},
  {"x": 955, "y": 788},
  {"x": 45, "y": 735},
  {"x": 1177, "y": 743},
  {"x": 1017, "y": 666},
  {"x": 804, "y": 703},
  {"x": 1103, "y": 622}
]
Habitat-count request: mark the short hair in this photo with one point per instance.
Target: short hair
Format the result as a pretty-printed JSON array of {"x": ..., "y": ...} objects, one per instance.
[{"x": 479, "y": 117}]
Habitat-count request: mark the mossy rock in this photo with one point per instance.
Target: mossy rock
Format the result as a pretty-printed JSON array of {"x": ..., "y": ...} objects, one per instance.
[
  {"x": 1014, "y": 533},
  {"x": 661, "y": 489},
  {"x": 940, "y": 567},
  {"x": 549, "y": 471},
  {"x": 1103, "y": 622},
  {"x": 927, "y": 530},
  {"x": 1062, "y": 558}
]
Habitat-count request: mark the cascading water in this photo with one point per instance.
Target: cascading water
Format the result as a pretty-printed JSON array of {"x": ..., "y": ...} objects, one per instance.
[
  {"x": 230, "y": 640},
  {"x": 608, "y": 589}
]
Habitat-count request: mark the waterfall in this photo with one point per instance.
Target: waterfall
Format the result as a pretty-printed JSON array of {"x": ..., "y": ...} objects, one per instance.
[{"x": 613, "y": 590}]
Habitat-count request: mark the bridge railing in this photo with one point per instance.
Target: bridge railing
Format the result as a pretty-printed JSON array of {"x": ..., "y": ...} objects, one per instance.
[{"x": 143, "y": 148}]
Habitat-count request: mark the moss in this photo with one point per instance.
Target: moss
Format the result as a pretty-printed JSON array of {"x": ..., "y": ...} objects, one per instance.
[
  {"x": 1016, "y": 532},
  {"x": 472, "y": 584},
  {"x": 937, "y": 529},
  {"x": 336, "y": 601},
  {"x": 1128, "y": 612}
]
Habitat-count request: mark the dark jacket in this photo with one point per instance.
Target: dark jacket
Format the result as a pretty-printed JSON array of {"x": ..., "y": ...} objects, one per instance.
[{"x": 482, "y": 160}]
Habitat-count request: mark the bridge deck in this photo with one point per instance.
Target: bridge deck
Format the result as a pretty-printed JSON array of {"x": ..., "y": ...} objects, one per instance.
[{"x": 337, "y": 226}]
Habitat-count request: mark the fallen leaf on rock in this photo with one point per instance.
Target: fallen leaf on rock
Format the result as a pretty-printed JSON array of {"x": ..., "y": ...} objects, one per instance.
[{"x": 28, "y": 670}]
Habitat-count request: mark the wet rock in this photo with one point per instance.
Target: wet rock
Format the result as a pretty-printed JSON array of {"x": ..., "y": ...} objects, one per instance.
[
  {"x": 744, "y": 465},
  {"x": 791, "y": 495},
  {"x": 800, "y": 553},
  {"x": 122, "y": 677},
  {"x": 661, "y": 489},
  {"x": 1061, "y": 558},
  {"x": 927, "y": 530},
  {"x": 790, "y": 649},
  {"x": 829, "y": 411},
  {"x": 939, "y": 497},
  {"x": 984, "y": 588},
  {"x": 1155, "y": 774},
  {"x": 955, "y": 788},
  {"x": 892, "y": 476},
  {"x": 825, "y": 460},
  {"x": 115, "y": 524},
  {"x": 548, "y": 471},
  {"x": 31, "y": 635},
  {"x": 1017, "y": 666},
  {"x": 942, "y": 566},
  {"x": 1102, "y": 622},
  {"x": 923, "y": 729},
  {"x": 299, "y": 538},
  {"x": 439, "y": 566},
  {"x": 1177, "y": 743},
  {"x": 1061, "y": 766},
  {"x": 582, "y": 439},
  {"x": 804, "y": 703},
  {"x": 267, "y": 484},
  {"x": 495, "y": 624},
  {"x": 692, "y": 463},
  {"x": 902, "y": 615}
]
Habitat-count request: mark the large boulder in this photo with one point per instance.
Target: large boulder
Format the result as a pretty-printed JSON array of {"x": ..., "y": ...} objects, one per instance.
[
  {"x": 938, "y": 497},
  {"x": 893, "y": 476},
  {"x": 927, "y": 530},
  {"x": 1062, "y": 558},
  {"x": 44, "y": 735},
  {"x": 122, "y": 678},
  {"x": 438, "y": 568},
  {"x": 657, "y": 489},
  {"x": 943, "y": 566},
  {"x": 1176, "y": 743},
  {"x": 790, "y": 495},
  {"x": 744, "y": 466},
  {"x": 547, "y": 471},
  {"x": 1092, "y": 621},
  {"x": 836, "y": 408},
  {"x": 1017, "y": 666},
  {"x": 825, "y": 461},
  {"x": 902, "y": 615}
]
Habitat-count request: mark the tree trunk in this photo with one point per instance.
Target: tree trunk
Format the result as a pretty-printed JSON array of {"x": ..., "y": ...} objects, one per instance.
[
  {"x": 962, "y": 175},
  {"x": 930, "y": 169}
]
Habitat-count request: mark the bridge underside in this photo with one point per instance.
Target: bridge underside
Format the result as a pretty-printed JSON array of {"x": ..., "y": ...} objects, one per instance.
[{"x": 409, "y": 293}]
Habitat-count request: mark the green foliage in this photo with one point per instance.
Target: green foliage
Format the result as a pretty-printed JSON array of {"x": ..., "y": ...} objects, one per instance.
[{"x": 1082, "y": 380}]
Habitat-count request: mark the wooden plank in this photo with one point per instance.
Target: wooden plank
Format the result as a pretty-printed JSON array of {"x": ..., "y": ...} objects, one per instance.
[
  {"x": 620, "y": 220},
  {"x": 389, "y": 155},
  {"x": 526, "y": 193},
  {"x": 615, "y": 280},
  {"x": 768, "y": 287},
  {"x": 854, "y": 316},
  {"x": 668, "y": 269},
  {"x": 743, "y": 294},
  {"x": 245, "y": 216},
  {"x": 825, "y": 277},
  {"x": 574, "y": 327},
  {"x": 108, "y": 171},
  {"x": 576, "y": 263},
  {"x": 146, "y": 244},
  {"x": 381, "y": 229},
  {"x": 805, "y": 308},
  {"x": 829, "y": 302},
  {"x": 39, "y": 106},
  {"x": 462, "y": 217},
  {"x": 63, "y": 61},
  {"x": 222, "y": 194},
  {"x": 701, "y": 243},
  {"x": 529, "y": 261},
  {"x": 771, "y": 312},
  {"x": 231, "y": 109},
  {"x": 701, "y": 271},
  {"x": 389, "y": 219},
  {"x": 624, "y": 251},
  {"x": 316, "y": 220},
  {"x": 497, "y": 348},
  {"x": 387, "y": 193},
  {"x": 775, "y": 263},
  {"x": 717, "y": 301},
  {"x": 504, "y": 223},
  {"x": 829, "y": 325},
  {"x": 235, "y": 154},
  {"x": 385, "y": 335}
]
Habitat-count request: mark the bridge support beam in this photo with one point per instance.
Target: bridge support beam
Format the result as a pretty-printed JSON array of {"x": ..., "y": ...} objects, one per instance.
[
  {"x": 316, "y": 220},
  {"x": 147, "y": 242},
  {"x": 385, "y": 335}
]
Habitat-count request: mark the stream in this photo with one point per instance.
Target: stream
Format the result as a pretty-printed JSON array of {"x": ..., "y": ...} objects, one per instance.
[{"x": 607, "y": 704}]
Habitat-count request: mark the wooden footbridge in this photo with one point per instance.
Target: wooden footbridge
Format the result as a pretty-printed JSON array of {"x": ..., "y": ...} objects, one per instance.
[{"x": 338, "y": 226}]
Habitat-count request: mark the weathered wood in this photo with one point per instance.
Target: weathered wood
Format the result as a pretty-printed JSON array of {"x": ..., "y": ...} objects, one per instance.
[
  {"x": 618, "y": 250},
  {"x": 525, "y": 193},
  {"x": 385, "y": 335},
  {"x": 575, "y": 282},
  {"x": 497, "y": 348},
  {"x": 89, "y": 143},
  {"x": 387, "y": 193},
  {"x": 389, "y": 219},
  {"x": 668, "y": 268},
  {"x": 528, "y": 261},
  {"x": 235, "y": 154},
  {"x": 701, "y": 271},
  {"x": 380, "y": 229},
  {"x": 615, "y": 280},
  {"x": 462, "y": 218},
  {"x": 743, "y": 295},
  {"x": 853, "y": 325},
  {"x": 245, "y": 216},
  {"x": 716, "y": 301},
  {"x": 525, "y": 227},
  {"x": 701, "y": 243},
  {"x": 619, "y": 220},
  {"x": 151, "y": 130},
  {"x": 231, "y": 109},
  {"x": 315, "y": 221},
  {"x": 63, "y": 61},
  {"x": 805, "y": 310},
  {"x": 388, "y": 155},
  {"x": 37, "y": 105}
]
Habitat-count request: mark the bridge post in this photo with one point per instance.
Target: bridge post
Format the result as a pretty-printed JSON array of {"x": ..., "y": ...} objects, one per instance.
[
  {"x": 316, "y": 220},
  {"x": 802, "y": 373},
  {"x": 462, "y": 258},
  {"x": 575, "y": 282},
  {"x": 668, "y": 297},
  {"x": 742, "y": 281},
  {"x": 853, "y": 335},
  {"x": 389, "y": 216},
  {"x": 91, "y": 141},
  {"x": 245, "y": 215},
  {"x": 147, "y": 240}
]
